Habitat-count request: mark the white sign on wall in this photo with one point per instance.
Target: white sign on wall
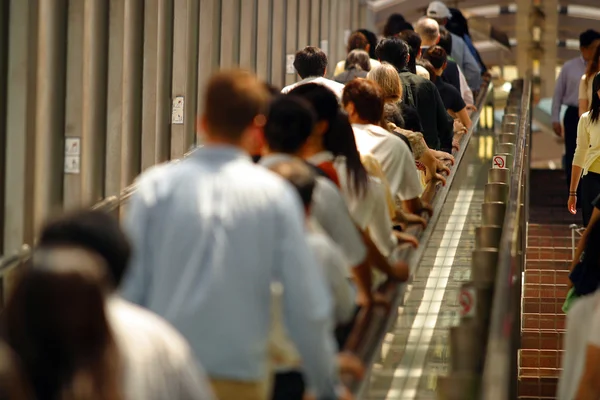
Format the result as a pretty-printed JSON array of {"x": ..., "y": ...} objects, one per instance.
[
  {"x": 289, "y": 64},
  {"x": 72, "y": 155},
  {"x": 177, "y": 112},
  {"x": 347, "y": 34},
  {"x": 325, "y": 46}
]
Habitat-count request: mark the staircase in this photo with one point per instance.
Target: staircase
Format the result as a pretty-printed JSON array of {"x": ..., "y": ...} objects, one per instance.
[{"x": 548, "y": 256}]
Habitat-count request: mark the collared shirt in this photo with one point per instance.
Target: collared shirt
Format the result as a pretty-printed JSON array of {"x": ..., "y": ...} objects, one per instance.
[
  {"x": 211, "y": 234},
  {"x": 329, "y": 209},
  {"x": 395, "y": 158},
  {"x": 465, "y": 60},
  {"x": 158, "y": 362},
  {"x": 566, "y": 90},
  {"x": 424, "y": 96},
  {"x": 334, "y": 86}
]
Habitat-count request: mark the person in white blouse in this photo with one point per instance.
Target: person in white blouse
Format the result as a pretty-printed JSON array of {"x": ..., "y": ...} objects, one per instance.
[
  {"x": 364, "y": 102},
  {"x": 311, "y": 65},
  {"x": 586, "y": 160}
]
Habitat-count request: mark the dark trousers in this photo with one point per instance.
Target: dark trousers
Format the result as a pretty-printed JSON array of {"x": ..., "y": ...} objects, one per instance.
[
  {"x": 288, "y": 386},
  {"x": 590, "y": 189},
  {"x": 571, "y": 120}
]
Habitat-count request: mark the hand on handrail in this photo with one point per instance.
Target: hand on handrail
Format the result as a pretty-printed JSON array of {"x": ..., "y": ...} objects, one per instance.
[
  {"x": 406, "y": 238},
  {"x": 372, "y": 300},
  {"x": 350, "y": 364}
]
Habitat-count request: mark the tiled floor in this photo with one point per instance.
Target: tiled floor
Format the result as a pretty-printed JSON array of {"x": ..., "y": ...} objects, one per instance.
[{"x": 416, "y": 350}]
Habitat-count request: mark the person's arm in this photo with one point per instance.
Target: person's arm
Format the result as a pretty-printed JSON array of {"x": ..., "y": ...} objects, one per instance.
[
  {"x": 559, "y": 93},
  {"x": 306, "y": 299},
  {"x": 464, "y": 118},
  {"x": 584, "y": 105},
  {"x": 444, "y": 122},
  {"x": 465, "y": 90},
  {"x": 188, "y": 378},
  {"x": 136, "y": 225},
  {"x": 472, "y": 69},
  {"x": 583, "y": 240},
  {"x": 583, "y": 144}
]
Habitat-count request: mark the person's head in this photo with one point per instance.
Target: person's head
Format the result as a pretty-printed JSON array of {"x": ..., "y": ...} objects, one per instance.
[
  {"x": 439, "y": 11},
  {"x": 55, "y": 320},
  {"x": 438, "y": 59},
  {"x": 94, "y": 231},
  {"x": 358, "y": 59},
  {"x": 429, "y": 30},
  {"x": 445, "y": 41},
  {"x": 431, "y": 71},
  {"x": 588, "y": 41},
  {"x": 386, "y": 76},
  {"x": 593, "y": 66},
  {"x": 234, "y": 105},
  {"x": 372, "y": 39},
  {"x": 458, "y": 24},
  {"x": 358, "y": 40},
  {"x": 333, "y": 130},
  {"x": 363, "y": 100},
  {"x": 393, "y": 51},
  {"x": 595, "y": 106},
  {"x": 290, "y": 122},
  {"x": 310, "y": 61},
  {"x": 300, "y": 176},
  {"x": 395, "y": 24},
  {"x": 414, "y": 44}
]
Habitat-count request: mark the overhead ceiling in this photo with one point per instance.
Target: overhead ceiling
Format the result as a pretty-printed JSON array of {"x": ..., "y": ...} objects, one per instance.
[{"x": 569, "y": 26}]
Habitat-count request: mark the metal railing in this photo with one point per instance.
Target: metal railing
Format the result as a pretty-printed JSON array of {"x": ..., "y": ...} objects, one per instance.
[
  {"x": 372, "y": 323},
  {"x": 500, "y": 375}
]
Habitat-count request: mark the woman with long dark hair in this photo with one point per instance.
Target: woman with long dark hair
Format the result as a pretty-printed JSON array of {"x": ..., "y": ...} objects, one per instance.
[
  {"x": 585, "y": 86},
  {"x": 586, "y": 161},
  {"x": 56, "y": 323},
  {"x": 13, "y": 385}
]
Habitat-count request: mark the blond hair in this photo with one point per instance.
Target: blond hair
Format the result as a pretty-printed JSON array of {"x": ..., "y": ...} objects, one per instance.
[{"x": 388, "y": 79}]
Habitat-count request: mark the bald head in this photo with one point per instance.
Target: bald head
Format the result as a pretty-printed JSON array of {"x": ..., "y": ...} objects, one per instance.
[{"x": 429, "y": 30}]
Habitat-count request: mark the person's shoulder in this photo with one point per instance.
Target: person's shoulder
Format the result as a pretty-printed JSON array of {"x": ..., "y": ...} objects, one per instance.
[
  {"x": 136, "y": 325},
  {"x": 572, "y": 61}
]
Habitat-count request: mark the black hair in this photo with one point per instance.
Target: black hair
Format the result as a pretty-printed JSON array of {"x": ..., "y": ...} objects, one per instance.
[
  {"x": 339, "y": 138},
  {"x": 396, "y": 24},
  {"x": 595, "y": 106},
  {"x": 300, "y": 176},
  {"x": 290, "y": 122},
  {"x": 458, "y": 24},
  {"x": 310, "y": 61},
  {"x": 95, "y": 231},
  {"x": 588, "y": 37},
  {"x": 413, "y": 40},
  {"x": 445, "y": 41},
  {"x": 394, "y": 51},
  {"x": 372, "y": 38},
  {"x": 436, "y": 56}
]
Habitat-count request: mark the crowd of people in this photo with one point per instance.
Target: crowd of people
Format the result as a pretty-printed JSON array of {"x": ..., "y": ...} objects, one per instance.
[{"x": 239, "y": 271}]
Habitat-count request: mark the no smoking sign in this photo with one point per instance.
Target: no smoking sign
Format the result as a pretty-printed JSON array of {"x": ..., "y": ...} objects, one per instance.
[
  {"x": 499, "y": 162},
  {"x": 467, "y": 300}
]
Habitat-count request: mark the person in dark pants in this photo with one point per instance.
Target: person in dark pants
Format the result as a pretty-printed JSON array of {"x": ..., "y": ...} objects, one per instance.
[
  {"x": 586, "y": 159},
  {"x": 566, "y": 92}
]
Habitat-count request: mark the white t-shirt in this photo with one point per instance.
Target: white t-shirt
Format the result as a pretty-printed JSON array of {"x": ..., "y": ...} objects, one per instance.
[
  {"x": 158, "y": 362},
  {"x": 395, "y": 158},
  {"x": 369, "y": 210},
  {"x": 583, "y": 325},
  {"x": 334, "y": 86}
]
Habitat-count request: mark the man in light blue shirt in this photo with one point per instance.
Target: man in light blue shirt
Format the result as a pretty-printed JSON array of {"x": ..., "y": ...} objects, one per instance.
[
  {"x": 211, "y": 233},
  {"x": 460, "y": 52}
]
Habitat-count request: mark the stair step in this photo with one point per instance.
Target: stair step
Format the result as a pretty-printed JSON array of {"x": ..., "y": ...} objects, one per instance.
[
  {"x": 536, "y": 340},
  {"x": 547, "y": 359},
  {"x": 548, "y": 265},
  {"x": 537, "y": 241},
  {"x": 537, "y": 388},
  {"x": 546, "y": 253},
  {"x": 544, "y": 322},
  {"x": 545, "y": 277},
  {"x": 543, "y": 305},
  {"x": 537, "y": 290}
]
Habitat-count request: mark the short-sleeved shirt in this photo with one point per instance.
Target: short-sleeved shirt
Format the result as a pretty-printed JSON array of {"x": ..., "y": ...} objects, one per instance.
[
  {"x": 450, "y": 96},
  {"x": 395, "y": 158}
]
